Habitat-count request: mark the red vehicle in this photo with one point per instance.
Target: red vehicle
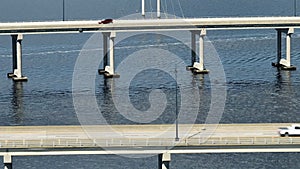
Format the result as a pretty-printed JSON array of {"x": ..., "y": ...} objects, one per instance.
[{"x": 106, "y": 21}]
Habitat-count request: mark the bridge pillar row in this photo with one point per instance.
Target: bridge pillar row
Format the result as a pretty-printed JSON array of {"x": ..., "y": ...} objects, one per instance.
[
  {"x": 164, "y": 161},
  {"x": 7, "y": 160},
  {"x": 108, "y": 70},
  {"x": 17, "y": 58},
  {"x": 284, "y": 64},
  {"x": 198, "y": 67}
]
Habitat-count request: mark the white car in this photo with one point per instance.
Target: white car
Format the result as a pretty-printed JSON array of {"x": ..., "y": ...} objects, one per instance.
[{"x": 293, "y": 130}]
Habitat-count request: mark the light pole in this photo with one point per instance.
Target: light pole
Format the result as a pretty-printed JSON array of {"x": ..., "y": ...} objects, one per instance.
[
  {"x": 176, "y": 106},
  {"x": 63, "y": 10},
  {"x": 295, "y": 7}
]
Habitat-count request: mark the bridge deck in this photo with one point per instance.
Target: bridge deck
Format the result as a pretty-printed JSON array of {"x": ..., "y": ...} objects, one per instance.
[
  {"x": 141, "y": 135},
  {"x": 150, "y": 25}
]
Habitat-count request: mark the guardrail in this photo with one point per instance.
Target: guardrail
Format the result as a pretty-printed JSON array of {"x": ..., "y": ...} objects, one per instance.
[{"x": 133, "y": 142}]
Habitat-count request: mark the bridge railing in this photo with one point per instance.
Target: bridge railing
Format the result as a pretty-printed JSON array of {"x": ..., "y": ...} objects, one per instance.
[
  {"x": 244, "y": 141},
  {"x": 131, "y": 142}
]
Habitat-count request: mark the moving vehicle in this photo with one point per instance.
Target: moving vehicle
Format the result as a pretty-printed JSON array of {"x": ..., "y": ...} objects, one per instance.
[
  {"x": 106, "y": 21},
  {"x": 293, "y": 130}
]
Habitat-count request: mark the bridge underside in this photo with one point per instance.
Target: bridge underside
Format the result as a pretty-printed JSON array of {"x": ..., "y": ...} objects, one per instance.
[{"x": 164, "y": 156}]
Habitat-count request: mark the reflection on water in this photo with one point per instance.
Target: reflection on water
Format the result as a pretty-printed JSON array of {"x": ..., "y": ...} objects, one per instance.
[
  {"x": 17, "y": 102},
  {"x": 284, "y": 80}
]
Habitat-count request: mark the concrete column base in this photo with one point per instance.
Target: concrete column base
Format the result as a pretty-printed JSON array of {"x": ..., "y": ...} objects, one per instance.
[
  {"x": 198, "y": 69},
  {"x": 11, "y": 75},
  {"x": 283, "y": 67},
  {"x": 20, "y": 78},
  {"x": 107, "y": 73},
  {"x": 101, "y": 71},
  {"x": 190, "y": 67},
  {"x": 15, "y": 77}
]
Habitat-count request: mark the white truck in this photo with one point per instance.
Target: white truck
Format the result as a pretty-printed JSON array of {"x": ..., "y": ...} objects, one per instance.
[{"x": 293, "y": 130}]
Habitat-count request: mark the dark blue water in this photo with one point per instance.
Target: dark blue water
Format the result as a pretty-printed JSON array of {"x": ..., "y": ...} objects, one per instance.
[
  {"x": 256, "y": 92},
  {"x": 191, "y": 161}
]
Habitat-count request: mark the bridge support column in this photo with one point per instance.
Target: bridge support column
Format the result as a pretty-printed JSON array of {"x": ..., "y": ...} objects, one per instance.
[
  {"x": 14, "y": 55},
  {"x": 105, "y": 37},
  {"x": 105, "y": 63},
  {"x": 199, "y": 67},
  {"x": 17, "y": 58},
  {"x": 193, "y": 45},
  {"x": 108, "y": 71},
  {"x": 164, "y": 161},
  {"x": 7, "y": 160},
  {"x": 193, "y": 50},
  {"x": 284, "y": 64},
  {"x": 279, "y": 48}
]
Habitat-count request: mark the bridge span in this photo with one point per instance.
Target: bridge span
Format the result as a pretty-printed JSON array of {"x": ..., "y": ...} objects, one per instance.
[
  {"x": 197, "y": 27},
  {"x": 53, "y": 27},
  {"x": 142, "y": 135},
  {"x": 142, "y": 139}
]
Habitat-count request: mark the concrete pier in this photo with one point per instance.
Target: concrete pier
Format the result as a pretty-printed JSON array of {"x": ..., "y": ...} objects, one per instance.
[
  {"x": 279, "y": 46},
  {"x": 7, "y": 161},
  {"x": 193, "y": 49},
  {"x": 14, "y": 55},
  {"x": 108, "y": 71},
  {"x": 198, "y": 67},
  {"x": 105, "y": 36},
  {"x": 16, "y": 75},
  {"x": 164, "y": 161},
  {"x": 284, "y": 64}
]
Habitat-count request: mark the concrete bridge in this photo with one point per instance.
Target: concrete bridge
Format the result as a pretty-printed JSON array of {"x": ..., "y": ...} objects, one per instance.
[
  {"x": 197, "y": 27},
  {"x": 141, "y": 135},
  {"x": 142, "y": 139}
]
